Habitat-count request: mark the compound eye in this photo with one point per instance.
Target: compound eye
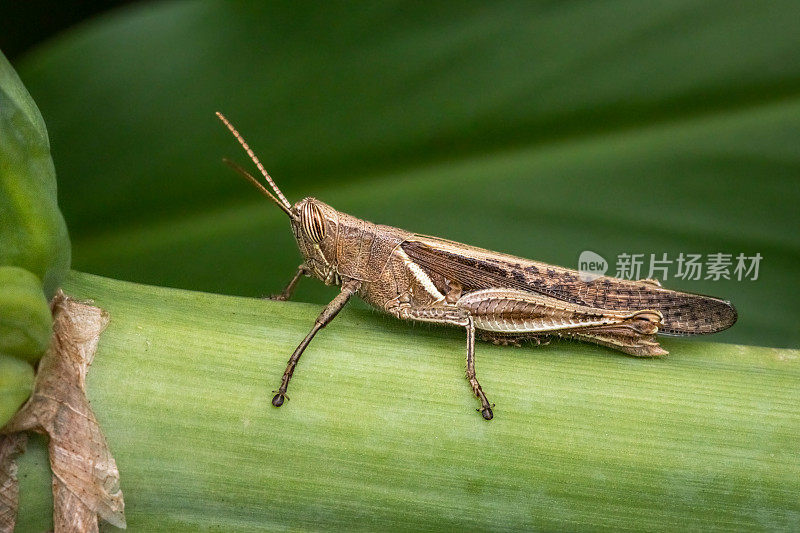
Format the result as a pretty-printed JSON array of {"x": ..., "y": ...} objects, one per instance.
[{"x": 312, "y": 222}]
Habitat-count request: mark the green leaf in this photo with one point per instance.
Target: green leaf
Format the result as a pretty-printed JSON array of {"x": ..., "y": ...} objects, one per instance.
[
  {"x": 34, "y": 245},
  {"x": 537, "y": 129},
  {"x": 33, "y": 235},
  {"x": 16, "y": 383},
  {"x": 381, "y": 430},
  {"x": 25, "y": 320}
]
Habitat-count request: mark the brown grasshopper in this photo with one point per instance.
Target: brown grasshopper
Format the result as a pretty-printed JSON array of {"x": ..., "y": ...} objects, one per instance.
[{"x": 506, "y": 299}]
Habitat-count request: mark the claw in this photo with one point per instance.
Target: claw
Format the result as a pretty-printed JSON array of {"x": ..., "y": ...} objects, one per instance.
[{"x": 278, "y": 399}]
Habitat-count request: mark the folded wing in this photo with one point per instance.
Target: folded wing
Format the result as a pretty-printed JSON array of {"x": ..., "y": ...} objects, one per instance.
[{"x": 475, "y": 268}]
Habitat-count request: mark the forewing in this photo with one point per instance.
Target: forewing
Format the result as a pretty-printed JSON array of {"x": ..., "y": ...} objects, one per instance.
[{"x": 476, "y": 268}]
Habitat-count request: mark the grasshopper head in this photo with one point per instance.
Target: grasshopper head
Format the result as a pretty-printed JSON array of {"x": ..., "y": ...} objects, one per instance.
[{"x": 315, "y": 225}]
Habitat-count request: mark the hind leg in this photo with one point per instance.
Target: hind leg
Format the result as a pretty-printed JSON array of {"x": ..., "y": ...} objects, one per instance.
[{"x": 635, "y": 337}]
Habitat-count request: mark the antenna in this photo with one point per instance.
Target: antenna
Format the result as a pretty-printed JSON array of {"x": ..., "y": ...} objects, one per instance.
[
  {"x": 264, "y": 173},
  {"x": 258, "y": 185}
]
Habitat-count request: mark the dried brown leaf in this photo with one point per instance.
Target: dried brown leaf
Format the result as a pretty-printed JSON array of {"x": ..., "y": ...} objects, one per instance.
[
  {"x": 10, "y": 447},
  {"x": 85, "y": 475}
]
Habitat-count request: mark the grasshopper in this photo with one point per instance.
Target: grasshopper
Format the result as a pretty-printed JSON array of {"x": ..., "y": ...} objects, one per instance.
[{"x": 505, "y": 299}]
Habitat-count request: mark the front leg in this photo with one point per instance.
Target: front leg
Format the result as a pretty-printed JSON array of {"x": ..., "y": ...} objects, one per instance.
[
  {"x": 331, "y": 310},
  {"x": 302, "y": 270}
]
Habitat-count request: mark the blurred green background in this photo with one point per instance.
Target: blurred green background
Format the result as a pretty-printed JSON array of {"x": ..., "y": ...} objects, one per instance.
[{"x": 538, "y": 129}]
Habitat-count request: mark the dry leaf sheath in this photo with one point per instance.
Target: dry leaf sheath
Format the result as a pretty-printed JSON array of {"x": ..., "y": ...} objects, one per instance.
[
  {"x": 10, "y": 447},
  {"x": 85, "y": 475}
]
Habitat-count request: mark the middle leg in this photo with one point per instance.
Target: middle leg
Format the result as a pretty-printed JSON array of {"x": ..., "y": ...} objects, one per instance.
[
  {"x": 445, "y": 314},
  {"x": 486, "y": 409}
]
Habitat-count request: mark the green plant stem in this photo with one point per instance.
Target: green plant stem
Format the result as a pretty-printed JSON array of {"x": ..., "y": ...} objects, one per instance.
[{"x": 381, "y": 430}]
